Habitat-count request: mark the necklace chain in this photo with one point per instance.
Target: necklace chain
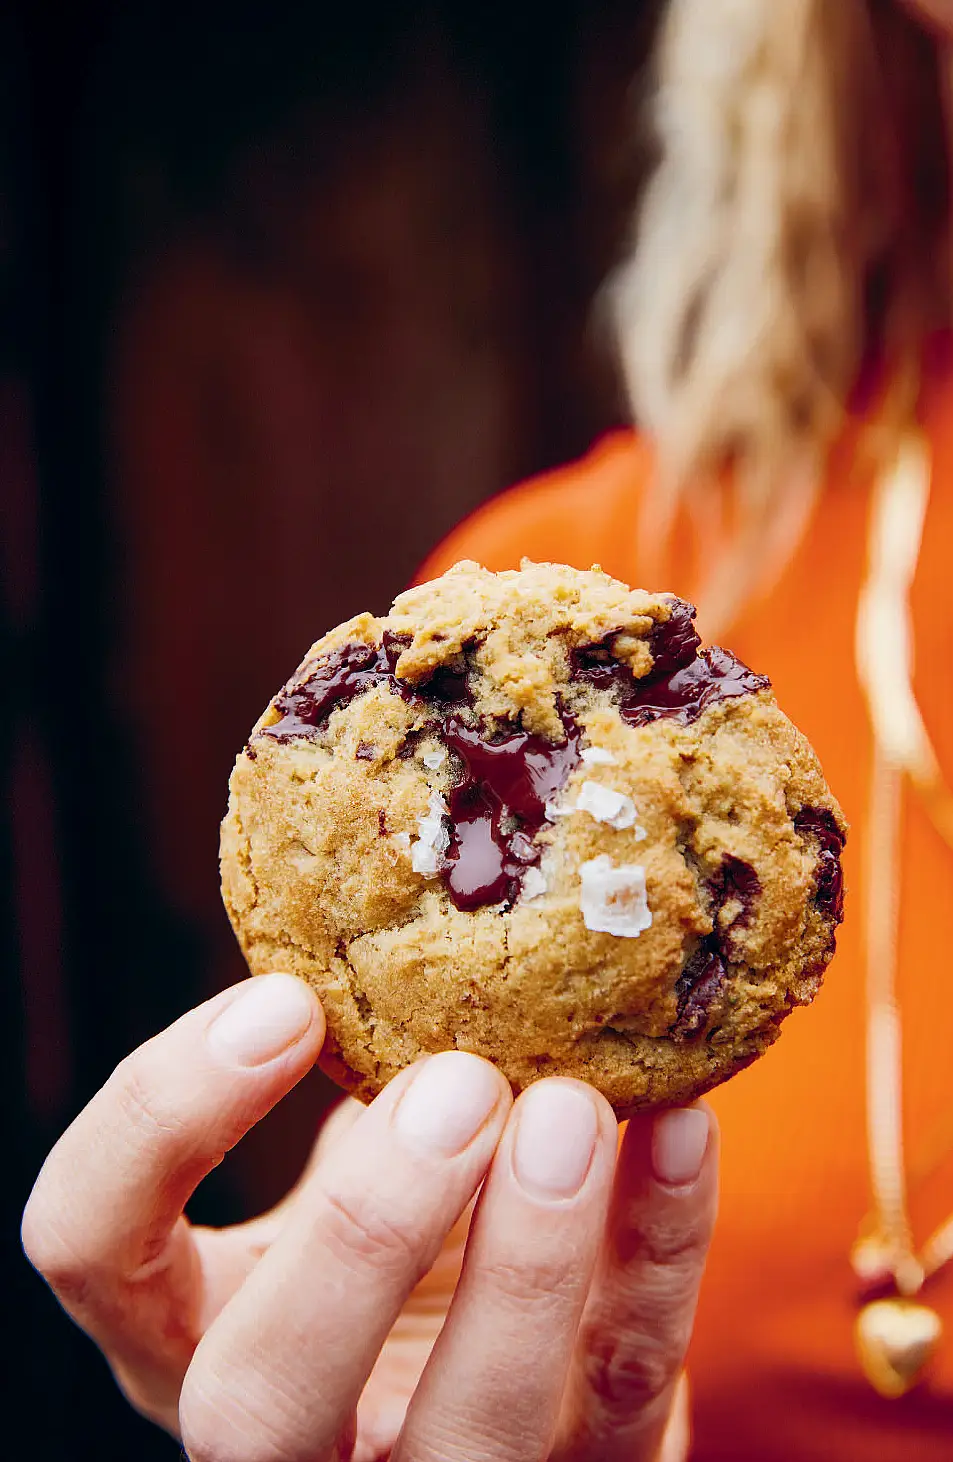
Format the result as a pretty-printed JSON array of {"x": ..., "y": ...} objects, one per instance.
[{"x": 903, "y": 755}]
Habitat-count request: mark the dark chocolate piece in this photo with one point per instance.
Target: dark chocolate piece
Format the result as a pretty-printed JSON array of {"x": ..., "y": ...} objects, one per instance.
[
  {"x": 714, "y": 675},
  {"x": 306, "y": 706},
  {"x": 701, "y": 981},
  {"x": 498, "y": 806},
  {"x": 675, "y": 643},
  {"x": 697, "y": 988},
  {"x": 818, "y": 822},
  {"x": 683, "y": 681},
  {"x": 735, "y": 880}
]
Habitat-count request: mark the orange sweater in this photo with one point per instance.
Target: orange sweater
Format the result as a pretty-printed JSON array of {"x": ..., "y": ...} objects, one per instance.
[{"x": 773, "y": 1370}]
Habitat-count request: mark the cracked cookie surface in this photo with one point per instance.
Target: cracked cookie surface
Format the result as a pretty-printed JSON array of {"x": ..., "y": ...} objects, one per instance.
[{"x": 527, "y": 815}]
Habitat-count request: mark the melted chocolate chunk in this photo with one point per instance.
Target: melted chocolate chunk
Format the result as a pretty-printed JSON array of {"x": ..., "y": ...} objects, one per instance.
[
  {"x": 697, "y": 988},
  {"x": 346, "y": 673},
  {"x": 818, "y": 822},
  {"x": 411, "y": 742},
  {"x": 448, "y": 687},
  {"x": 703, "y": 978},
  {"x": 394, "y": 644},
  {"x": 735, "y": 880},
  {"x": 675, "y": 643},
  {"x": 498, "y": 806},
  {"x": 305, "y": 708},
  {"x": 596, "y": 665},
  {"x": 714, "y": 675},
  {"x": 683, "y": 682}
]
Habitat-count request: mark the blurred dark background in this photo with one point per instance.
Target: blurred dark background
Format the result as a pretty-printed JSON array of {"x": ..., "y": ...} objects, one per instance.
[{"x": 286, "y": 291}]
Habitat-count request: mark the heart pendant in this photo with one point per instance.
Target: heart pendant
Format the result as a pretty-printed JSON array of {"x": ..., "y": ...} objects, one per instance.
[{"x": 895, "y": 1340}]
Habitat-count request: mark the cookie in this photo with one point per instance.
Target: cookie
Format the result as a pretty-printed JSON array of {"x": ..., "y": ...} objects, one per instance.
[{"x": 528, "y": 815}]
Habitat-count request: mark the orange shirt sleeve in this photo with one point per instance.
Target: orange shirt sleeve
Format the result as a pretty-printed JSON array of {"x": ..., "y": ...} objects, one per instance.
[{"x": 581, "y": 515}]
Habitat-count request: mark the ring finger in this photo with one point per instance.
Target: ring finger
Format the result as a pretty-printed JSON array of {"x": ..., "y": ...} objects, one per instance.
[
  {"x": 493, "y": 1385},
  {"x": 641, "y": 1305}
]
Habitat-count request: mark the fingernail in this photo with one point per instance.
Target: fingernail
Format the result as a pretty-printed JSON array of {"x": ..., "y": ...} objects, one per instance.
[
  {"x": 679, "y": 1142},
  {"x": 266, "y": 1018},
  {"x": 556, "y": 1131},
  {"x": 447, "y": 1103}
]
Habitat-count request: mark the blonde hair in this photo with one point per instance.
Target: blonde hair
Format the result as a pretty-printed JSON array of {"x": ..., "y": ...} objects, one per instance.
[{"x": 794, "y": 224}]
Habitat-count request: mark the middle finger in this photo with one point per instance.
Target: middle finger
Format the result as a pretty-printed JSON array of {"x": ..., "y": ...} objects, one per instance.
[{"x": 280, "y": 1371}]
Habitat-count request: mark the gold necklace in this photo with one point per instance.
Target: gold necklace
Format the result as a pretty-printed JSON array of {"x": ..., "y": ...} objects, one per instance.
[{"x": 895, "y": 1337}]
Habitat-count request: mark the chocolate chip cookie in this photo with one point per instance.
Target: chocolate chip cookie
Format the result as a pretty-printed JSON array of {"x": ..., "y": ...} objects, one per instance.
[{"x": 528, "y": 815}]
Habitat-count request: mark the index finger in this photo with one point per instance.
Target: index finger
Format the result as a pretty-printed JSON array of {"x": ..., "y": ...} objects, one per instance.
[{"x": 110, "y": 1193}]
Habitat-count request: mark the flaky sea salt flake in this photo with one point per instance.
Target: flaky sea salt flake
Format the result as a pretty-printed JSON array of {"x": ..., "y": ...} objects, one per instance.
[
  {"x": 601, "y": 803},
  {"x": 597, "y": 756},
  {"x": 606, "y": 806},
  {"x": 427, "y": 853},
  {"x": 613, "y": 898},
  {"x": 532, "y": 886}
]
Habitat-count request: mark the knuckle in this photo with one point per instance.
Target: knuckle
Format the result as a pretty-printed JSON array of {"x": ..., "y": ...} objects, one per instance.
[
  {"x": 631, "y": 1375},
  {"x": 34, "y": 1233},
  {"x": 140, "y": 1099},
  {"x": 478, "y": 1433},
  {"x": 673, "y": 1244},
  {"x": 365, "y": 1231},
  {"x": 52, "y": 1255}
]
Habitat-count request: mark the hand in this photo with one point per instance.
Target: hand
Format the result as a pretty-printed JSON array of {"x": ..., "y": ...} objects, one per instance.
[{"x": 349, "y": 1323}]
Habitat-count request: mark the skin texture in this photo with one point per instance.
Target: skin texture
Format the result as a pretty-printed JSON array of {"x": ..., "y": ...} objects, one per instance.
[{"x": 549, "y": 1320}]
